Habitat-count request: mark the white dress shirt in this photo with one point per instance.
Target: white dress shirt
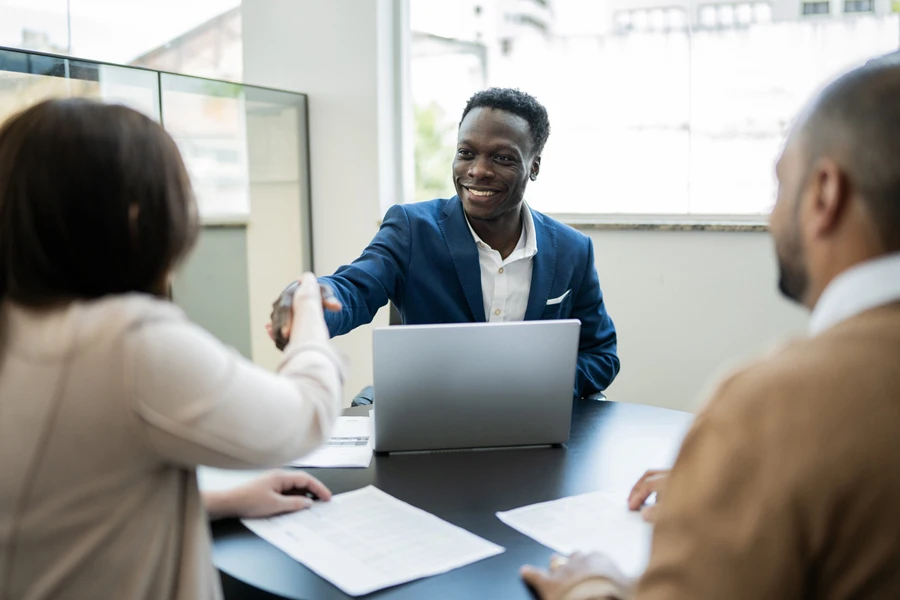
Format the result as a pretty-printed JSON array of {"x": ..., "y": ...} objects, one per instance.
[
  {"x": 506, "y": 284},
  {"x": 868, "y": 285}
]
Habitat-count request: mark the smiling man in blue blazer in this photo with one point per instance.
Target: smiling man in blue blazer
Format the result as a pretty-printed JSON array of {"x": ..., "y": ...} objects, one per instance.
[{"x": 484, "y": 255}]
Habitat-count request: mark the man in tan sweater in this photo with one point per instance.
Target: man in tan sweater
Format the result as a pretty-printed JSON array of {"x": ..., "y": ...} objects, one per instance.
[{"x": 787, "y": 486}]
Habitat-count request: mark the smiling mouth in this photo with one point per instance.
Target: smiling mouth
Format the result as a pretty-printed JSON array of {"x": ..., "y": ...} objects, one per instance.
[{"x": 481, "y": 193}]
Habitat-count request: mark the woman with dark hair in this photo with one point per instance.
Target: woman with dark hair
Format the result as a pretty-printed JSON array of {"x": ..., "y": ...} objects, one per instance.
[{"x": 109, "y": 397}]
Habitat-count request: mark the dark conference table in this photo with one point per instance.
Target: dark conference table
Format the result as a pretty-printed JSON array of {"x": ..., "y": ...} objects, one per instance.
[{"x": 610, "y": 446}]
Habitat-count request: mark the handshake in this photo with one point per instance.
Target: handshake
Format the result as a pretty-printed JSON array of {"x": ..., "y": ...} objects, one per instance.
[{"x": 299, "y": 311}]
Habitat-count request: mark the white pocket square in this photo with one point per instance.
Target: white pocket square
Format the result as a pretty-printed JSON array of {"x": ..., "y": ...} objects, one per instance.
[{"x": 558, "y": 300}]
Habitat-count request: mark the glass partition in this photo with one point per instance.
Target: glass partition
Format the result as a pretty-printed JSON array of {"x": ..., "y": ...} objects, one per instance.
[
  {"x": 246, "y": 149},
  {"x": 231, "y": 136},
  {"x": 208, "y": 121},
  {"x": 27, "y": 78}
]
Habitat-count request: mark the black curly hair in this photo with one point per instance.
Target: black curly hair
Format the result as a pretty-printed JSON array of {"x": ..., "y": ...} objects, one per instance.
[{"x": 518, "y": 103}]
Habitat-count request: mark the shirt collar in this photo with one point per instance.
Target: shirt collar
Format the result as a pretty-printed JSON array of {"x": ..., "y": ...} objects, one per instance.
[
  {"x": 868, "y": 285},
  {"x": 527, "y": 239}
]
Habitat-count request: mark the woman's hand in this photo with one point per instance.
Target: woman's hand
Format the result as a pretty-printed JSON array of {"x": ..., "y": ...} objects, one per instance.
[{"x": 273, "y": 493}]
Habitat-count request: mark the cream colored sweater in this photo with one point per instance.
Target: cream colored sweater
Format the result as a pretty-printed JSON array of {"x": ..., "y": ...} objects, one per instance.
[{"x": 106, "y": 409}]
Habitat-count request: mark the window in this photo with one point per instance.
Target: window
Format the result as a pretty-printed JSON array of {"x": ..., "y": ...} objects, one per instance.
[
  {"x": 725, "y": 16},
  {"x": 194, "y": 38},
  {"x": 653, "y": 19},
  {"x": 677, "y": 18},
  {"x": 859, "y": 6},
  {"x": 709, "y": 16},
  {"x": 623, "y": 21},
  {"x": 744, "y": 14},
  {"x": 641, "y": 20},
  {"x": 762, "y": 13},
  {"x": 686, "y": 120},
  {"x": 816, "y": 8}
]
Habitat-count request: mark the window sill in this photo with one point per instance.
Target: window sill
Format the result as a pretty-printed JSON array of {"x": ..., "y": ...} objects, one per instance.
[{"x": 663, "y": 223}]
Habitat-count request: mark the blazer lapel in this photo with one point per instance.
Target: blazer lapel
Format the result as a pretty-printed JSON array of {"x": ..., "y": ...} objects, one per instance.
[
  {"x": 543, "y": 268},
  {"x": 465, "y": 255}
]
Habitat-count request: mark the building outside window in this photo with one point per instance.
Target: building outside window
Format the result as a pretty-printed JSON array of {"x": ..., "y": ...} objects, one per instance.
[
  {"x": 816, "y": 8},
  {"x": 191, "y": 38},
  {"x": 667, "y": 18},
  {"x": 743, "y": 14},
  {"x": 859, "y": 6},
  {"x": 674, "y": 110}
]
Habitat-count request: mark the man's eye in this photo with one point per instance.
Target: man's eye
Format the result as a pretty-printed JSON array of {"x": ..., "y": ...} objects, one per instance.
[
  {"x": 463, "y": 152},
  {"x": 503, "y": 158}
]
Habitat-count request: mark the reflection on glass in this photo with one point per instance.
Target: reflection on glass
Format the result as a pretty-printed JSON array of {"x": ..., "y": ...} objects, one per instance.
[
  {"x": 207, "y": 119},
  {"x": 241, "y": 144},
  {"x": 231, "y": 136},
  {"x": 26, "y": 79}
]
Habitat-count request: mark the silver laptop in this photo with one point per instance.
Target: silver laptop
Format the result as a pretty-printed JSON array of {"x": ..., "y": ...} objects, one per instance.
[{"x": 474, "y": 385}]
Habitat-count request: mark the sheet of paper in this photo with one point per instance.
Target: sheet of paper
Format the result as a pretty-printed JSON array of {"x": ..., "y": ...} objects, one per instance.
[
  {"x": 367, "y": 540},
  {"x": 350, "y": 445},
  {"x": 599, "y": 521}
]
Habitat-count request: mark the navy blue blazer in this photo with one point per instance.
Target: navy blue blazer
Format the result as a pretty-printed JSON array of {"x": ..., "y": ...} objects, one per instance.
[{"x": 425, "y": 261}]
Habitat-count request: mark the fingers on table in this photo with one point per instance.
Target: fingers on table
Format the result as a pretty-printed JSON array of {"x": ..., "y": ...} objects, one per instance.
[{"x": 650, "y": 482}]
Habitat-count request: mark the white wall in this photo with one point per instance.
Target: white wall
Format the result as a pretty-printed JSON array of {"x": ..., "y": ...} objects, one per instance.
[
  {"x": 689, "y": 306},
  {"x": 331, "y": 51}
]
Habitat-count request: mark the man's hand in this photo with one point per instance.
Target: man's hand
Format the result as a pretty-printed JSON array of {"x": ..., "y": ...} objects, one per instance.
[
  {"x": 566, "y": 574},
  {"x": 273, "y": 493},
  {"x": 651, "y": 482},
  {"x": 284, "y": 308}
]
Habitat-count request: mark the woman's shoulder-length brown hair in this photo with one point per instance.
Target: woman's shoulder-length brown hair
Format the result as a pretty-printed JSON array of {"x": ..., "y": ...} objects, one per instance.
[{"x": 94, "y": 200}]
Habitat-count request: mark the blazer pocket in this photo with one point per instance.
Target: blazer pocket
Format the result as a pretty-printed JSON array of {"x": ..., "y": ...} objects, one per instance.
[
  {"x": 558, "y": 308},
  {"x": 559, "y": 300}
]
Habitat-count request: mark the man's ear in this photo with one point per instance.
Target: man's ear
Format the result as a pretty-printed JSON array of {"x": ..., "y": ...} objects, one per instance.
[
  {"x": 535, "y": 168},
  {"x": 829, "y": 196}
]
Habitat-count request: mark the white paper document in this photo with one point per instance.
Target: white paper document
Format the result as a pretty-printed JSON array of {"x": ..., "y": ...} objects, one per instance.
[
  {"x": 599, "y": 521},
  {"x": 350, "y": 445},
  {"x": 367, "y": 540}
]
